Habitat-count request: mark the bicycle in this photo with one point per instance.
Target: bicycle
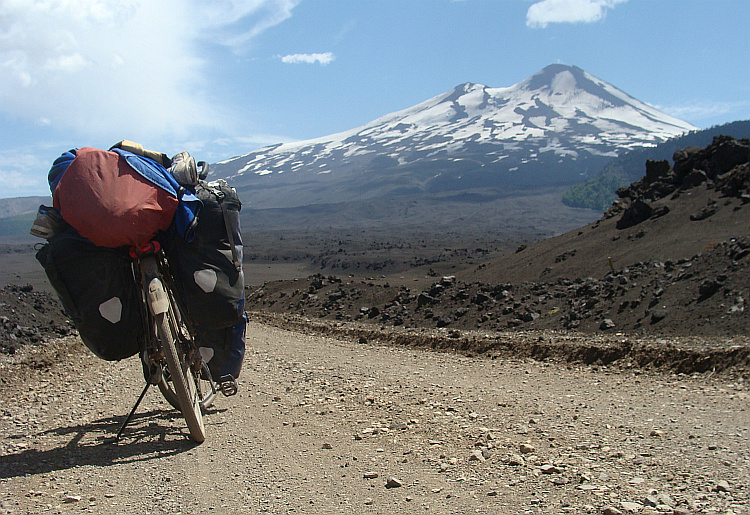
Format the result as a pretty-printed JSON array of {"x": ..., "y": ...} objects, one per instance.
[{"x": 171, "y": 357}]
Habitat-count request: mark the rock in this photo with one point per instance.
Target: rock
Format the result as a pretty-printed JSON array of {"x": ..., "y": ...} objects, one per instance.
[
  {"x": 526, "y": 448},
  {"x": 708, "y": 287},
  {"x": 424, "y": 300},
  {"x": 656, "y": 169},
  {"x": 515, "y": 460},
  {"x": 632, "y": 507},
  {"x": 550, "y": 469},
  {"x": 606, "y": 324},
  {"x": 611, "y": 510},
  {"x": 477, "y": 455},
  {"x": 370, "y": 475},
  {"x": 694, "y": 178},
  {"x": 659, "y": 314},
  {"x": 722, "y": 486},
  {"x": 638, "y": 212},
  {"x": 664, "y": 499},
  {"x": 480, "y": 298},
  {"x": 660, "y": 211},
  {"x": 393, "y": 483}
]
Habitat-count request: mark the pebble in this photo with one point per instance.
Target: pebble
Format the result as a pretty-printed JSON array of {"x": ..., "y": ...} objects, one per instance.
[
  {"x": 370, "y": 475},
  {"x": 526, "y": 448},
  {"x": 393, "y": 483},
  {"x": 550, "y": 469},
  {"x": 477, "y": 455},
  {"x": 722, "y": 486},
  {"x": 664, "y": 500}
]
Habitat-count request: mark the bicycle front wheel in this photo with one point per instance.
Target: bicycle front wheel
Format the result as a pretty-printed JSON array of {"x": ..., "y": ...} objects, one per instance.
[
  {"x": 183, "y": 380},
  {"x": 207, "y": 389}
]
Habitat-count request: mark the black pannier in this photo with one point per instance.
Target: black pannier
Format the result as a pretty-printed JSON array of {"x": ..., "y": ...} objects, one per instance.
[
  {"x": 98, "y": 291},
  {"x": 223, "y": 349},
  {"x": 208, "y": 269}
]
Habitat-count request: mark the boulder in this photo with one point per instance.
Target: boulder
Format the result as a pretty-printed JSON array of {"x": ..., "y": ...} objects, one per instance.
[{"x": 636, "y": 213}]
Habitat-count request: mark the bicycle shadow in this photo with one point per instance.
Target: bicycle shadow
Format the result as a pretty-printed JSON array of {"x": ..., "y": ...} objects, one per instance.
[{"x": 148, "y": 436}]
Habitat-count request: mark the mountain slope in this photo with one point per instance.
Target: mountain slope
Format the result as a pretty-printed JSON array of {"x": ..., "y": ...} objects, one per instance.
[
  {"x": 670, "y": 257},
  {"x": 556, "y": 127},
  {"x": 599, "y": 191}
]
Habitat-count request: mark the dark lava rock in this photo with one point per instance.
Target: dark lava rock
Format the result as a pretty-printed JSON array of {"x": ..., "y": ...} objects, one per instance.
[{"x": 638, "y": 212}]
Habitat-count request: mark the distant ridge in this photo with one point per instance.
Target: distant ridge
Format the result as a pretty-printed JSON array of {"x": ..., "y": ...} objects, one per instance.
[{"x": 21, "y": 205}]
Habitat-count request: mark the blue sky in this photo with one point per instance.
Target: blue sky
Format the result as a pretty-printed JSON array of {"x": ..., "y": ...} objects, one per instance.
[{"x": 219, "y": 78}]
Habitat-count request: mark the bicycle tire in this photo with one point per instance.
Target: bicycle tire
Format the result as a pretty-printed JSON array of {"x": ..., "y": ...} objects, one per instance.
[
  {"x": 183, "y": 380},
  {"x": 207, "y": 391}
]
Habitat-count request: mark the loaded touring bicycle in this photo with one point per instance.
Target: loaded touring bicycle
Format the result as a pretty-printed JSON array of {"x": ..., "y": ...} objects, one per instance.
[{"x": 146, "y": 257}]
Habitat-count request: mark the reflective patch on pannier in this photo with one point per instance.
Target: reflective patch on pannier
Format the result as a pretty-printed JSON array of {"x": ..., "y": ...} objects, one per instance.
[
  {"x": 111, "y": 310},
  {"x": 205, "y": 279},
  {"x": 207, "y": 354}
]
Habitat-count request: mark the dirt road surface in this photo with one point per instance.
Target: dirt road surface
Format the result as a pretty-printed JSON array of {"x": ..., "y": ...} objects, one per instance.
[{"x": 328, "y": 426}]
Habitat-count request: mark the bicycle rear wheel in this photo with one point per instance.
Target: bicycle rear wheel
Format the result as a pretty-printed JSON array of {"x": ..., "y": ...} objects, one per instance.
[{"x": 184, "y": 382}]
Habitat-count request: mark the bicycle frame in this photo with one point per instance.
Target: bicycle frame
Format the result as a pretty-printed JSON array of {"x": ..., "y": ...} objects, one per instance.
[{"x": 173, "y": 359}]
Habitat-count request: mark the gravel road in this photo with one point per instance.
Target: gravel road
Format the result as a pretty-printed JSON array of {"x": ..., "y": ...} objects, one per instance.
[{"x": 331, "y": 426}]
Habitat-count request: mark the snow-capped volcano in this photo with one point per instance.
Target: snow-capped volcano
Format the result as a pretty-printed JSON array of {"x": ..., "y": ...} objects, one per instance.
[{"x": 558, "y": 126}]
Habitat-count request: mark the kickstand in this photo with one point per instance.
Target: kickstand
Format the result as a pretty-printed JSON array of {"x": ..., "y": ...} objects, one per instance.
[
  {"x": 132, "y": 412},
  {"x": 154, "y": 372}
]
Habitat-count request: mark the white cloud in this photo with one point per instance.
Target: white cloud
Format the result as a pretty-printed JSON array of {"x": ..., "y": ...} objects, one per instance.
[
  {"x": 545, "y": 12},
  {"x": 706, "y": 110},
  {"x": 19, "y": 173},
  {"x": 323, "y": 59},
  {"x": 216, "y": 149},
  {"x": 121, "y": 68}
]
